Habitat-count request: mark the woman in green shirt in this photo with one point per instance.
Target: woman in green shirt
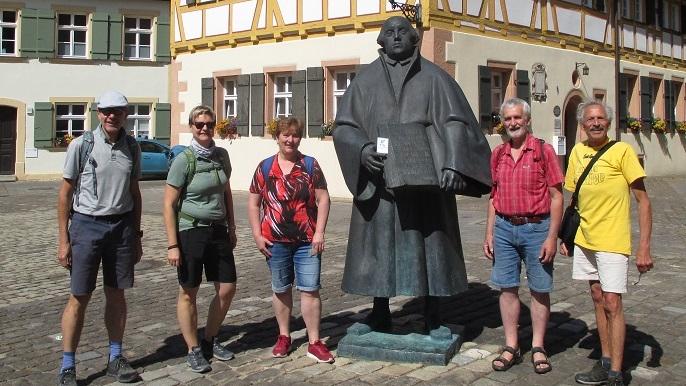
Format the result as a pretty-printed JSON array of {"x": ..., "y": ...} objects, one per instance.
[{"x": 201, "y": 232}]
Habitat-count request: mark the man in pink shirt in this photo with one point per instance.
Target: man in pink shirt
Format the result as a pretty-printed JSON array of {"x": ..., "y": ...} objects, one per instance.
[{"x": 524, "y": 214}]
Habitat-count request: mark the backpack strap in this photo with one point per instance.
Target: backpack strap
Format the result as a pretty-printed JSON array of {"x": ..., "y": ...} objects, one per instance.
[
  {"x": 268, "y": 162},
  {"x": 541, "y": 150},
  {"x": 84, "y": 153},
  {"x": 501, "y": 151},
  {"x": 133, "y": 149},
  {"x": 309, "y": 164}
]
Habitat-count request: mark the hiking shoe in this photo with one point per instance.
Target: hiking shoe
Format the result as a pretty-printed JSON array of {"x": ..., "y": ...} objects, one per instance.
[
  {"x": 197, "y": 361},
  {"x": 597, "y": 375},
  {"x": 615, "y": 381},
  {"x": 282, "y": 346},
  {"x": 216, "y": 350},
  {"x": 67, "y": 377},
  {"x": 120, "y": 369},
  {"x": 319, "y": 352}
]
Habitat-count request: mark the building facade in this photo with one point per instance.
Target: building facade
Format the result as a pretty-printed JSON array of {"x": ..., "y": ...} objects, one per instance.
[
  {"x": 255, "y": 60},
  {"x": 57, "y": 57}
]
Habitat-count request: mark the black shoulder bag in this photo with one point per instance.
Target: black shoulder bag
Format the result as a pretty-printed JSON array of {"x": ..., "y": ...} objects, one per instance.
[{"x": 571, "y": 219}]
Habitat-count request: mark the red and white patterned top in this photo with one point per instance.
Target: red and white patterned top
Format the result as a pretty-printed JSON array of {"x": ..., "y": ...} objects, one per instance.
[
  {"x": 521, "y": 188},
  {"x": 289, "y": 206}
]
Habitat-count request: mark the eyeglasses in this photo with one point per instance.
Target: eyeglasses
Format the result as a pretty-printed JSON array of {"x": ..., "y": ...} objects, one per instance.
[
  {"x": 112, "y": 110},
  {"x": 200, "y": 125}
]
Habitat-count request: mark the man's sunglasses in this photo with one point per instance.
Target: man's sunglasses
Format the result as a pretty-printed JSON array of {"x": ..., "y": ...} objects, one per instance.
[
  {"x": 200, "y": 125},
  {"x": 112, "y": 110}
]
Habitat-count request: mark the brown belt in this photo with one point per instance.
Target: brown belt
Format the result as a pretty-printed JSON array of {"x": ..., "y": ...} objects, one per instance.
[{"x": 520, "y": 220}]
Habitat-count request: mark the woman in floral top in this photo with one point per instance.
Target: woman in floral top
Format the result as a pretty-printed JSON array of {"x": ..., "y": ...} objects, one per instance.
[{"x": 290, "y": 190}]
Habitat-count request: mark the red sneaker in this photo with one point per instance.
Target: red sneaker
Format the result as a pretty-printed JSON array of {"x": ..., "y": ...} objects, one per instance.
[
  {"x": 319, "y": 352},
  {"x": 282, "y": 346}
]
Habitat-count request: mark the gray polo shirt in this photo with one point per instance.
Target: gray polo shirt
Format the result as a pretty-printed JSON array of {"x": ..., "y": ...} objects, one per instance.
[{"x": 106, "y": 176}]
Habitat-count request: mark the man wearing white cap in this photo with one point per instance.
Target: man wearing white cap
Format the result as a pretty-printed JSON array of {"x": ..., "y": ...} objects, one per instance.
[{"x": 99, "y": 219}]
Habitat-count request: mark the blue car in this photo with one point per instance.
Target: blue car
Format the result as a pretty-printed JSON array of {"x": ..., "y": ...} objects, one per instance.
[{"x": 155, "y": 158}]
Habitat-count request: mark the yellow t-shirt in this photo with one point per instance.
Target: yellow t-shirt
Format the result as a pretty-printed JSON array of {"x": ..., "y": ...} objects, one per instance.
[{"x": 604, "y": 199}]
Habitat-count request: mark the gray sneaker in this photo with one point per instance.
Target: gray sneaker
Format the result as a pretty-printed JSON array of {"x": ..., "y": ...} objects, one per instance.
[
  {"x": 215, "y": 349},
  {"x": 67, "y": 377},
  {"x": 197, "y": 361},
  {"x": 597, "y": 376},
  {"x": 615, "y": 381},
  {"x": 120, "y": 369}
]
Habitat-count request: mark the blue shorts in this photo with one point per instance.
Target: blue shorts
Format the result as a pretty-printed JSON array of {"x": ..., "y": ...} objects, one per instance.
[
  {"x": 514, "y": 243},
  {"x": 291, "y": 261},
  {"x": 111, "y": 239}
]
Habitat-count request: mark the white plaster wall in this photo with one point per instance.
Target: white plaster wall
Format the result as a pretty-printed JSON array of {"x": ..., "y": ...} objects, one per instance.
[
  {"x": 664, "y": 154},
  {"x": 248, "y": 151},
  {"x": 217, "y": 20}
]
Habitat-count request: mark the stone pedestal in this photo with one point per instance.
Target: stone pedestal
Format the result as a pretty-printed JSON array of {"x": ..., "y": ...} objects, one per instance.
[{"x": 434, "y": 349}]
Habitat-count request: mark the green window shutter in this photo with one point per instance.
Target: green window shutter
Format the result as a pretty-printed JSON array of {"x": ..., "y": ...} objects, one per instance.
[
  {"x": 163, "y": 122},
  {"x": 99, "y": 35},
  {"x": 45, "y": 33},
  {"x": 485, "y": 107},
  {"x": 243, "y": 104},
  {"x": 668, "y": 105},
  {"x": 299, "y": 94},
  {"x": 207, "y": 92},
  {"x": 95, "y": 122},
  {"x": 523, "y": 86},
  {"x": 162, "y": 51},
  {"x": 28, "y": 33},
  {"x": 43, "y": 131},
  {"x": 257, "y": 104},
  {"x": 623, "y": 100},
  {"x": 646, "y": 99},
  {"x": 315, "y": 101},
  {"x": 114, "y": 47}
]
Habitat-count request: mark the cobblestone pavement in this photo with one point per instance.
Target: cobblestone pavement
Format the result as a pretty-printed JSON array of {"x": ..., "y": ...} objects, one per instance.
[{"x": 35, "y": 288}]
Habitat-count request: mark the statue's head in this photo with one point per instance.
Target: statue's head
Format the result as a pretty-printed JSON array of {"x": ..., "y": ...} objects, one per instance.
[{"x": 398, "y": 38}]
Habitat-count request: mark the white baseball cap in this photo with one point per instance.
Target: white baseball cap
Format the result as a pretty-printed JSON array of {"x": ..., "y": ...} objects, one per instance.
[{"x": 112, "y": 99}]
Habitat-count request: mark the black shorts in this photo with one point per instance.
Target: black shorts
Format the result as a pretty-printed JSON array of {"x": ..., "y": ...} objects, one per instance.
[{"x": 209, "y": 247}]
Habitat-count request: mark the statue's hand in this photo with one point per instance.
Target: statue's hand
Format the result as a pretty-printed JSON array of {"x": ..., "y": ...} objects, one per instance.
[
  {"x": 372, "y": 160},
  {"x": 452, "y": 181}
]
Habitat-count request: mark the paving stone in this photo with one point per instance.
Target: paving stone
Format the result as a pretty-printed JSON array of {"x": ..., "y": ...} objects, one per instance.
[
  {"x": 398, "y": 369},
  {"x": 461, "y": 359},
  {"x": 155, "y": 374},
  {"x": 476, "y": 353},
  {"x": 152, "y": 327},
  {"x": 644, "y": 373},
  {"x": 427, "y": 373},
  {"x": 163, "y": 382},
  {"x": 363, "y": 367},
  {"x": 674, "y": 310},
  {"x": 186, "y": 376},
  {"x": 88, "y": 355}
]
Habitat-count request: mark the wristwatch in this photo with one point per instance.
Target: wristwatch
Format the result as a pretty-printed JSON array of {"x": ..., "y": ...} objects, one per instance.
[{"x": 139, "y": 234}]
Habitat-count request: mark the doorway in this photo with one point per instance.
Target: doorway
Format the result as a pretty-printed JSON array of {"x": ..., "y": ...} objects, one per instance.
[
  {"x": 8, "y": 139},
  {"x": 571, "y": 127}
]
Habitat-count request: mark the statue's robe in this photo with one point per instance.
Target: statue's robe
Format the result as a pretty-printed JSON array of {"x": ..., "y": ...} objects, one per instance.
[{"x": 407, "y": 241}]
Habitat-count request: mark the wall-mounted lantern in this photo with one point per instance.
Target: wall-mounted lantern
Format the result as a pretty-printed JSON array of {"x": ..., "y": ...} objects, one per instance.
[
  {"x": 584, "y": 67},
  {"x": 413, "y": 13}
]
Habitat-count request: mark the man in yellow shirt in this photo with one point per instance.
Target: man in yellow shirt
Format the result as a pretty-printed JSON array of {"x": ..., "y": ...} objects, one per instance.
[{"x": 603, "y": 241}]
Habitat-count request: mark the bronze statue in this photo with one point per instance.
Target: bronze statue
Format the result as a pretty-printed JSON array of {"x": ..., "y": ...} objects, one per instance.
[{"x": 404, "y": 234}]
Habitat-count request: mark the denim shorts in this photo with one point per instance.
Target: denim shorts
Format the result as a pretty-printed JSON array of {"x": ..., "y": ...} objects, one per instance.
[
  {"x": 514, "y": 243},
  {"x": 293, "y": 261}
]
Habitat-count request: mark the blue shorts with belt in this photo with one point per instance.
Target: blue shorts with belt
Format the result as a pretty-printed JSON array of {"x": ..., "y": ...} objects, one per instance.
[{"x": 516, "y": 243}]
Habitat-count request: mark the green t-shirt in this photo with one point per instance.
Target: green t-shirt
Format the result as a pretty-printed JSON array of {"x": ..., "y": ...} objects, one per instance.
[{"x": 203, "y": 198}]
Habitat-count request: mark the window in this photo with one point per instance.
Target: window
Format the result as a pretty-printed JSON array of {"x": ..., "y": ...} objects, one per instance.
[
  {"x": 500, "y": 80},
  {"x": 8, "y": 32},
  {"x": 632, "y": 10},
  {"x": 340, "y": 84},
  {"x": 71, "y": 35},
  {"x": 230, "y": 98},
  {"x": 137, "y": 38},
  {"x": 282, "y": 96},
  {"x": 598, "y": 5},
  {"x": 671, "y": 16},
  {"x": 138, "y": 121},
  {"x": 658, "y": 91},
  {"x": 70, "y": 119}
]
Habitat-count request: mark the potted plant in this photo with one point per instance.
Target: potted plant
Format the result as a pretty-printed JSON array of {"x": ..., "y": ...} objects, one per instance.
[
  {"x": 499, "y": 128},
  {"x": 271, "y": 127},
  {"x": 63, "y": 141},
  {"x": 327, "y": 128},
  {"x": 227, "y": 128},
  {"x": 681, "y": 127},
  {"x": 633, "y": 124},
  {"x": 659, "y": 125}
]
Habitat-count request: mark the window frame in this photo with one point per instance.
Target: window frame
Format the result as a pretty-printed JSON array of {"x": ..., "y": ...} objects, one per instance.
[
  {"x": 137, "y": 117},
  {"x": 337, "y": 93},
  {"x": 230, "y": 98},
  {"x": 70, "y": 118},
  {"x": 138, "y": 31},
  {"x": 7, "y": 25},
  {"x": 286, "y": 95},
  {"x": 72, "y": 28},
  {"x": 508, "y": 88}
]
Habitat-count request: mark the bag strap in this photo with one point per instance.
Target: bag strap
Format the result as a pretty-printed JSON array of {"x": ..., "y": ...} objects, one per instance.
[
  {"x": 133, "y": 148},
  {"x": 267, "y": 165},
  {"x": 575, "y": 196},
  {"x": 84, "y": 153}
]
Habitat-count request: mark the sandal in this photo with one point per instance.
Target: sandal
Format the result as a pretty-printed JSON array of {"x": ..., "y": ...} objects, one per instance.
[
  {"x": 546, "y": 361},
  {"x": 507, "y": 363}
]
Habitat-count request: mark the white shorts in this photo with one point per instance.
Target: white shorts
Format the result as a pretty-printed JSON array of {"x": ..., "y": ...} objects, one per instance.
[{"x": 611, "y": 269}]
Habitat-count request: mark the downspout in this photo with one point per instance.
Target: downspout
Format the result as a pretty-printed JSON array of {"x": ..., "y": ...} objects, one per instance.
[{"x": 615, "y": 25}]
